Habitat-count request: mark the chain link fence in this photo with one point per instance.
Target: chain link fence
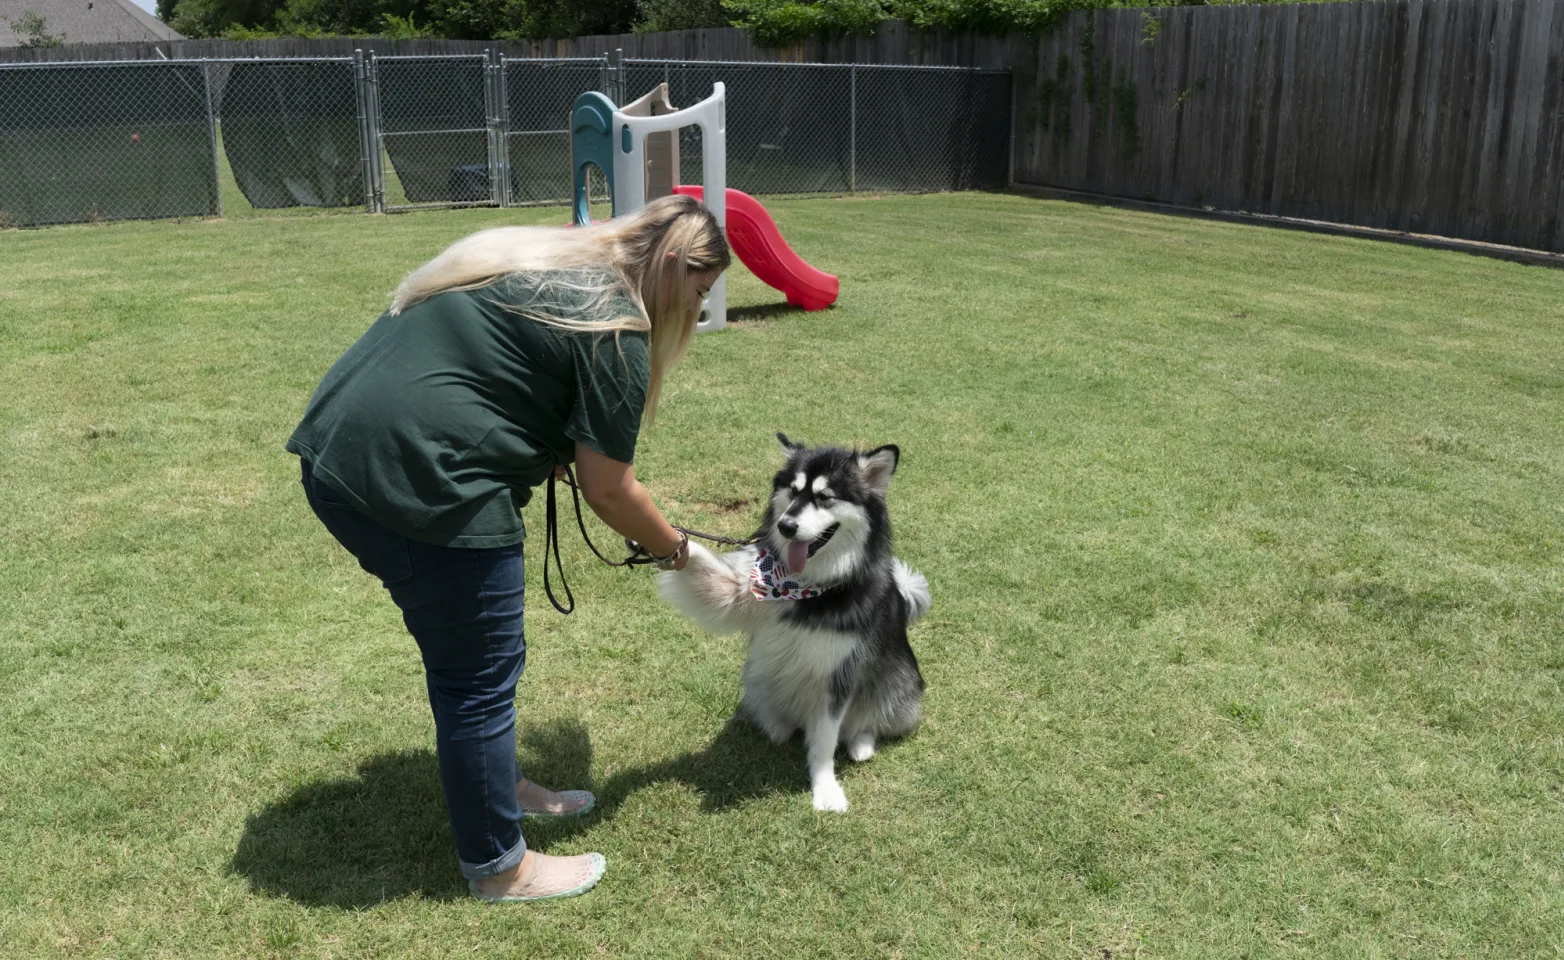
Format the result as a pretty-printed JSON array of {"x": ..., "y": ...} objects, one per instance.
[
  {"x": 435, "y": 127},
  {"x": 920, "y": 130},
  {"x": 538, "y": 98},
  {"x": 146, "y": 139},
  {"x": 790, "y": 126},
  {"x": 290, "y": 131},
  {"x": 121, "y": 141},
  {"x": 840, "y": 128}
]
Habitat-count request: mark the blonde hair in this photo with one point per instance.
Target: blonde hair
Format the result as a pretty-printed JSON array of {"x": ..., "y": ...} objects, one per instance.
[{"x": 577, "y": 271}]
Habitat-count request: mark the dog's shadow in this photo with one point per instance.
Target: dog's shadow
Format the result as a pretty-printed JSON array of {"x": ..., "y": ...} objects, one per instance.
[{"x": 383, "y": 834}]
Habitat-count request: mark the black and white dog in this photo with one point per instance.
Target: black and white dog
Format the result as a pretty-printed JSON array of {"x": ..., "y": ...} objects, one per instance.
[{"x": 826, "y": 608}]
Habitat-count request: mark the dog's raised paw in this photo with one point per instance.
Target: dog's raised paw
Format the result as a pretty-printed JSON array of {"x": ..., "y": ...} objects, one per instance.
[
  {"x": 830, "y": 798},
  {"x": 861, "y": 748}
]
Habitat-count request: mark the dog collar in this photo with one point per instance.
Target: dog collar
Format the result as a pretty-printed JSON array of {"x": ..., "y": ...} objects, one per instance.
[{"x": 769, "y": 579}]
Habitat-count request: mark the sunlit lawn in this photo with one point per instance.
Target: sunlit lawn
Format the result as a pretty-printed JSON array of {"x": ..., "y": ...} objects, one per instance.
[{"x": 1246, "y": 637}]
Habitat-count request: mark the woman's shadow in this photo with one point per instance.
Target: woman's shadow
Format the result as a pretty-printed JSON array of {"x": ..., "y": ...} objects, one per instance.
[{"x": 383, "y": 834}]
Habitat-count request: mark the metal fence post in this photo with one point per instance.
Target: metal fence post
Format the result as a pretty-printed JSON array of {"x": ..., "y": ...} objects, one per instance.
[
  {"x": 365, "y": 141},
  {"x": 852, "y": 131},
  {"x": 1010, "y": 170},
  {"x": 377, "y": 170},
  {"x": 491, "y": 121},
  {"x": 502, "y": 95},
  {"x": 211, "y": 133},
  {"x": 614, "y": 76}
]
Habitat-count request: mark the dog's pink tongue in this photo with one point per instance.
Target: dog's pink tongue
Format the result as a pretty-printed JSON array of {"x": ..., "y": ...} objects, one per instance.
[{"x": 797, "y": 555}]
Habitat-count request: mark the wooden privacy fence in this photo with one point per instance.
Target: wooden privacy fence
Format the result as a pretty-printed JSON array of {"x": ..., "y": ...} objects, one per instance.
[{"x": 1428, "y": 116}]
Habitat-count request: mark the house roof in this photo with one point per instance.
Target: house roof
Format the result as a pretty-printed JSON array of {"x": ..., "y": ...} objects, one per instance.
[{"x": 85, "y": 21}]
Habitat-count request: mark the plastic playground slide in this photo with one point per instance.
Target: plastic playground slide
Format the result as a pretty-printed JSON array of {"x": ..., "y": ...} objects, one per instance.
[{"x": 759, "y": 244}]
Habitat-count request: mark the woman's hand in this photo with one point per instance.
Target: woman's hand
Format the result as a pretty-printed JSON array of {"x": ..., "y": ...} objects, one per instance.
[{"x": 619, "y": 500}]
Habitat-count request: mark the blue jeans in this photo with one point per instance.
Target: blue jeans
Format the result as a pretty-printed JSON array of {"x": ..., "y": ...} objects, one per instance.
[{"x": 463, "y": 606}]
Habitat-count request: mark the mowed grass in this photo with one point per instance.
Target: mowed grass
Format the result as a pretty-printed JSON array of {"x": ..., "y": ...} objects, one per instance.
[{"x": 1246, "y": 641}]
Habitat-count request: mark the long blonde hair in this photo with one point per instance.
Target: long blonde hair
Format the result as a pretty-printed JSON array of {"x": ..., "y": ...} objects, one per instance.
[{"x": 576, "y": 272}]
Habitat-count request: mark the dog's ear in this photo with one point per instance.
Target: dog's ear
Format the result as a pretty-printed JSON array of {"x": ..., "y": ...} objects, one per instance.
[
  {"x": 878, "y": 465},
  {"x": 788, "y": 446}
]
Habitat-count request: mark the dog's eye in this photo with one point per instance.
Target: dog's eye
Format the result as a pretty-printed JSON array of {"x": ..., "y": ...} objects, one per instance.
[{"x": 824, "y": 500}]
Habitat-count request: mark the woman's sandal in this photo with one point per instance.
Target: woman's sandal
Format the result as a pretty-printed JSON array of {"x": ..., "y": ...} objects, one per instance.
[
  {"x": 598, "y": 866},
  {"x": 591, "y": 801}
]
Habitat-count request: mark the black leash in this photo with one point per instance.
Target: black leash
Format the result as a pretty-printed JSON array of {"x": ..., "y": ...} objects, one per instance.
[{"x": 639, "y": 555}]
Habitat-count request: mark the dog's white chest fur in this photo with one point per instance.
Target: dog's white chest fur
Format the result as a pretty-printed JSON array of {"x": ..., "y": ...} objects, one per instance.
[
  {"x": 787, "y": 677},
  {"x": 787, "y": 650}
]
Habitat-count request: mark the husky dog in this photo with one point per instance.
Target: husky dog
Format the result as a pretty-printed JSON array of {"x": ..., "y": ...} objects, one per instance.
[{"x": 826, "y": 608}]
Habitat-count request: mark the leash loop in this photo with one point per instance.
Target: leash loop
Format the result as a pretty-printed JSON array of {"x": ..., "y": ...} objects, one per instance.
[
  {"x": 551, "y": 539},
  {"x": 639, "y": 555}
]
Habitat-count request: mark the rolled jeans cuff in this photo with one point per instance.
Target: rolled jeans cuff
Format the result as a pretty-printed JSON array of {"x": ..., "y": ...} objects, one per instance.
[{"x": 500, "y": 864}]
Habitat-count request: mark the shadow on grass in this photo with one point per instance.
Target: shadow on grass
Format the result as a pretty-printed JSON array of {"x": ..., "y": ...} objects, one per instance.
[
  {"x": 763, "y": 313},
  {"x": 383, "y": 835},
  {"x": 353, "y": 843}
]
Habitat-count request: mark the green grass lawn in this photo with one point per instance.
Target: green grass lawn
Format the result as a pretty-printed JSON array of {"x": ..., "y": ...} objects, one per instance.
[{"x": 1246, "y": 641}]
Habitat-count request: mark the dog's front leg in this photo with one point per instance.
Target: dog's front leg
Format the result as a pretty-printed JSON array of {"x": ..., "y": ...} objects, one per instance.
[
  {"x": 712, "y": 591},
  {"x": 821, "y": 736}
]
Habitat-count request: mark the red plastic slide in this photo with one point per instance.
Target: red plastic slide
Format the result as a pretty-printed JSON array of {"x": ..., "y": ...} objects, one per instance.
[{"x": 760, "y": 246}]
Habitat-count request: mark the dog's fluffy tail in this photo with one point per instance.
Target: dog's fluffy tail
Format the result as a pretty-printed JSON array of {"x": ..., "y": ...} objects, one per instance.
[
  {"x": 711, "y": 590},
  {"x": 914, "y": 588}
]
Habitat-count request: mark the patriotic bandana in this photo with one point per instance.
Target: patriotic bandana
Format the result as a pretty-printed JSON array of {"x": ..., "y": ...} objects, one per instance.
[{"x": 769, "y": 580}]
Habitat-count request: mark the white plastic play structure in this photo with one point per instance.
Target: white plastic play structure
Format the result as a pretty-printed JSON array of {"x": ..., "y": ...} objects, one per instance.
[
  {"x": 652, "y": 118},
  {"x": 637, "y": 148}
]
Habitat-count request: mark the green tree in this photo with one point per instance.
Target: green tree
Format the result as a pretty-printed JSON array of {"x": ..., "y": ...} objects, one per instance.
[
  {"x": 211, "y": 18},
  {"x": 780, "y": 23},
  {"x": 34, "y": 31},
  {"x": 351, "y": 17},
  {"x": 574, "y": 18},
  {"x": 681, "y": 15}
]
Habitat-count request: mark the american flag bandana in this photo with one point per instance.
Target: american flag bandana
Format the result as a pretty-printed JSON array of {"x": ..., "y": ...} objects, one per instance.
[{"x": 769, "y": 580}]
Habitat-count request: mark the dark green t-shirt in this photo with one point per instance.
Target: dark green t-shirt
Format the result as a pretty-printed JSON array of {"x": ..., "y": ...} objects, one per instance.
[{"x": 438, "y": 422}]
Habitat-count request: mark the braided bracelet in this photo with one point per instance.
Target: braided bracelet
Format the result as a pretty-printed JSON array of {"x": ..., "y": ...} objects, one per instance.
[{"x": 666, "y": 563}]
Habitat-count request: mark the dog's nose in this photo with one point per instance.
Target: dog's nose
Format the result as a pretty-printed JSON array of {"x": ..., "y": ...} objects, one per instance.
[{"x": 788, "y": 526}]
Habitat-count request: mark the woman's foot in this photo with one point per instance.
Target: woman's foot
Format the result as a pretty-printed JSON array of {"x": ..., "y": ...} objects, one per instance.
[
  {"x": 542, "y": 877},
  {"x": 539, "y": 801}
]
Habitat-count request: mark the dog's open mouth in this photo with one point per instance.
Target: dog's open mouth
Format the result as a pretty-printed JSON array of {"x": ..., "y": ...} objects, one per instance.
[{"x": 799, "y": 551}]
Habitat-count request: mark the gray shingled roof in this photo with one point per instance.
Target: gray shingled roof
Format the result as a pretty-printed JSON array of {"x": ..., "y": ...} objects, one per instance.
[{"x": 86, "y": 21}]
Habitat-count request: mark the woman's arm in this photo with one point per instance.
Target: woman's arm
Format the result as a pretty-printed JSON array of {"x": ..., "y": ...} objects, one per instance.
[{"x": 619, "y": 500}]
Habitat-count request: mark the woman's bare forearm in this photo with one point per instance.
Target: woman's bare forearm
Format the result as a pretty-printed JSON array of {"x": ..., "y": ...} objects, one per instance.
[
  {"x": 619, "y": 500},
  {"x": 630, "y": 512}
]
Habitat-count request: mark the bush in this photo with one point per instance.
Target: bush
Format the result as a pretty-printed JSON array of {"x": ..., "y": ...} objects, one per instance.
[
  {"x": 771, "y": 22},
  {"x": 403, "y": 28},
  {"x": 786, "y": 22},
  {"x": 781, "y": 23},
  {"x": 681, "y": 15},
  {"x": 992, "y": 16}
]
